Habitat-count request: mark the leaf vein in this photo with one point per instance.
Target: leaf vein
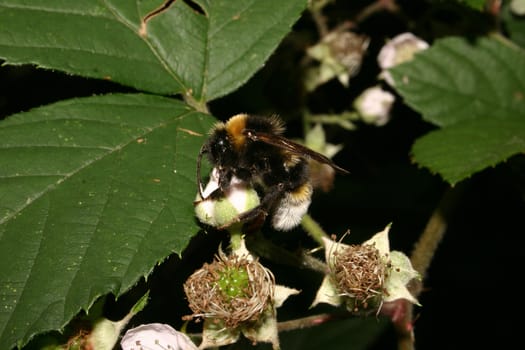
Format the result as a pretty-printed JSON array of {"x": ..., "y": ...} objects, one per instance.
[
  {"x": 85, "y": 165},
  {"x": 51, "y": 10}
]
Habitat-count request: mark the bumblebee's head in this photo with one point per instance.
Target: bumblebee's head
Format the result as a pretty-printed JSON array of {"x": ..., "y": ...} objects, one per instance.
[{"x": 219, "y": 151}]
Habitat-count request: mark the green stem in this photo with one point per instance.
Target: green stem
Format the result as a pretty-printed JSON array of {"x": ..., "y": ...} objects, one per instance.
[
  {"x": 313, "y": 229},
  {"x": 375, "y": 7},
  {"x": 267, "y": 249},
  {"x": 426, "y": 246},
  {"x": 300, "y": 323},
  {"x": 236, "y": 238}
]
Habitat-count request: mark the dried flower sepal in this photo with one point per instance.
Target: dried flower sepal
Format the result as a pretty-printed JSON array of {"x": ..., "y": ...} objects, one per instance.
[
  {"x": 365, "y": 276},
  {"x": 235, "y": 295}
]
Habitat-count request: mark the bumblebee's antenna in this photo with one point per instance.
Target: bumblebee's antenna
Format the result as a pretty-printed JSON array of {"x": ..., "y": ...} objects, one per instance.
[{"x": 203, "y": 150}]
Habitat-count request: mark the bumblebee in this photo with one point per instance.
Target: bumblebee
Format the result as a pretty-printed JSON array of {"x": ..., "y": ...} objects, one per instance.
[{"x": 253, "y": 150}]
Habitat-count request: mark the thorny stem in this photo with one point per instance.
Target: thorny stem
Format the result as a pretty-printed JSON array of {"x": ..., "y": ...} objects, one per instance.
[
  {"x": 427, "y": 244},
  {"x": 379, "y": 5},
  {"x": 299, "y": 323},
  {"x": 320, "y": 21},
  {"x": 421, "y": 257}
]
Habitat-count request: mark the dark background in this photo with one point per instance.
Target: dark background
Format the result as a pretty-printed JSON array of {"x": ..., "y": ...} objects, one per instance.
[{"x": 472, "y": 291}]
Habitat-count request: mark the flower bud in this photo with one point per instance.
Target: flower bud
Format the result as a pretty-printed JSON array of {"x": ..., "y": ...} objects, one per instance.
[
  {"x": 374, "y": 105},
  {"x": 237, "y": 199},
  {"x": 340, "y": 54},
  {"x": 399, "y": 49},
  {"x": 517, "y": 7}
]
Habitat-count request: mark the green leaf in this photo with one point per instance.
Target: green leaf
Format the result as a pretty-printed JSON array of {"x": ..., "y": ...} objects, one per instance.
[
  {"x": 459, "y": 151},
  {"x": 475, "y": 91},
  {"x": 457, "y": 80},
  {"x": 87, "y": 38},
  {"x": 94, "y": 193},
  {"x": 182, "y": 50}
]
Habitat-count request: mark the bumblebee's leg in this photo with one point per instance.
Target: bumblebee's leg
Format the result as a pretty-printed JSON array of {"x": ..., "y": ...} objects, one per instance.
[
  {"x": 254, "y": 224},
  {"x": 224, "y": 180},
  {"x": 215, "y": 195},
  {"x": 254, "y": 218}
]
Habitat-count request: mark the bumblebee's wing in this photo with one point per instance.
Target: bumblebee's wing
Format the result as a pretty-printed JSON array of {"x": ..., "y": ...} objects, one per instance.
[{"x": 292, "y": 147}]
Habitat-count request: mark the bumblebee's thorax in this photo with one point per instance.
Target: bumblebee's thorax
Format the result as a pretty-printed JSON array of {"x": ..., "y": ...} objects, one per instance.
[{"x": 235, "y": 127}]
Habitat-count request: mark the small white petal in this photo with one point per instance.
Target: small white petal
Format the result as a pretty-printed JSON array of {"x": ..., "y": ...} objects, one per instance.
[{"x": 156, "y": 336}]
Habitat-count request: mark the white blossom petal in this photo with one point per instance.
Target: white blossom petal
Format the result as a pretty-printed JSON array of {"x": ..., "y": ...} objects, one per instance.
[{"x": 156, "y": 336}]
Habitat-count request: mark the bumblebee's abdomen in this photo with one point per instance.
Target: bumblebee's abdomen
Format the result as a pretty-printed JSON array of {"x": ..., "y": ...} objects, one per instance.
[{"x": 291, "y": 208}]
